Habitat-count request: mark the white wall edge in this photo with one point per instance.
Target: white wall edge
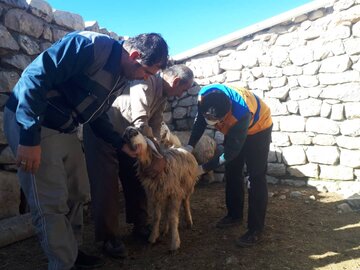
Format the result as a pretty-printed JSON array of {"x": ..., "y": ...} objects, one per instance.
[{"x": 257, "y": 27}]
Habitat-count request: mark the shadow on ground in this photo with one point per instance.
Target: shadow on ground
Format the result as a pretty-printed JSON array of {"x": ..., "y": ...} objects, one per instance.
[{"x": 302, "y": 233}]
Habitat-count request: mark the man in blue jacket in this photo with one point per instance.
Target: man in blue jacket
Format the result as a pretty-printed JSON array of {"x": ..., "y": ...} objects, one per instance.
[{"x": 73, "y": 82}]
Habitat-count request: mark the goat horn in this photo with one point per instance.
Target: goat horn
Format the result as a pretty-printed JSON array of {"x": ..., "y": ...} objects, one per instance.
[{"x": 153, "y": 147}]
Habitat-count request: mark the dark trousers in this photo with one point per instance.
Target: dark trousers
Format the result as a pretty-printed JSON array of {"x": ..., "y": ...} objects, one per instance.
[
  {"x": 134, "y": 193},
  {"x": 255, "y": 154},
  {"x": 104, "y": 166}
]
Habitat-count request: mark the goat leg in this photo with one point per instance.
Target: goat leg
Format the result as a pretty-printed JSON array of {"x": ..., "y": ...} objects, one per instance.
[
  {"x": 174, "y": 224},
  {"x": 187, "y": 211},
  {"x": 155, "y": 223}
]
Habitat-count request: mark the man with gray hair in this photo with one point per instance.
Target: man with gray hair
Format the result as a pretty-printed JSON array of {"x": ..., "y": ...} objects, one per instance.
[{"x": 142, "y": 105}]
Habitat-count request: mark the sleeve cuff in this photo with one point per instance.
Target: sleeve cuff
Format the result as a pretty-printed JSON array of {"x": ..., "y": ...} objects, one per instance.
[{"x": 30, "y": 137}]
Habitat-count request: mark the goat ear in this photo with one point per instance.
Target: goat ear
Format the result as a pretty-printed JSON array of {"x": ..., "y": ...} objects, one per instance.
[{"x": 153, "y": 147}]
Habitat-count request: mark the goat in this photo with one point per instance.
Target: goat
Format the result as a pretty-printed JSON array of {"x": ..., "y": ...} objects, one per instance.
[
  {"x": 170, "y": 188},
  {"x": 203, "y": 151},
  {"x": 167, "y": 138}
]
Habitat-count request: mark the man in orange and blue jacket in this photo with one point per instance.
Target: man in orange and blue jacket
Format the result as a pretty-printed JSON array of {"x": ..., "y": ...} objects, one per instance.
[{"x": 246, "y": 122}]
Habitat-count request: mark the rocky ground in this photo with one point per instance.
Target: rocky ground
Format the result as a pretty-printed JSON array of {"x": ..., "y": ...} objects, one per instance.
[{"x": 305, "y": 230}]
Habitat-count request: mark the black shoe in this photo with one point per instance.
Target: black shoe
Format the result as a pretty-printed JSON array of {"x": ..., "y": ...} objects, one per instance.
[
  {"x": 228, "y": 221},
  {"x": 249, "y": 239},
  {"x": 141, "y": 232},
  {"x": 84, "y": 261},
  {"x": 115, "y": 248}
]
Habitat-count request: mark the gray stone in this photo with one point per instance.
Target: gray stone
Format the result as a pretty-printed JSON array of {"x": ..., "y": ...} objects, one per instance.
[
  {"x": 307, "y": 170},
  {"x": 69, "y": 20},
  {"x": 301, "y": 56},
  {"x": 339, "y": 78},
  {"x": 356, "y": 29},
  {"x": 7, "y": 156},
  {"x": 19, "y": 61},
  {"x": 9, "y": 195},
  {"x": 16, "y": 3},
  {"x": 298, "y": 93},
  {"x": 23, "y": 22},
  {"x": 343, "y": 4},
  {"x": 300, "y": 138},
  {"x": 292, "y": 106},
  {"x": 311, "y": 68},
  {"x": 352, "y": 110},
  {"x": 344, "y": 208},
  {"x": 8, "y": 79},
  {"x": 325, "y": 110},
  {"x": 335, "y": 64},
  {"x": 261, "y": 84},
  {"x": 42, "y": 9},
  {"x": 280, "y": 93},
  {"x": 293, "y": 155},
  {"x": 272, "y": 72},
  {"x": 293, "y": 182},
  {"x": 322, "y": 126},
  {"x": 323, "y": 154},
  {"x": 292, "y": 123},
  {"x": 348, "y": 142},
  {"x": 280, "y": 139},
  {"x": 92, "y": 26},
  {"x": 272, "y": 180},
  {"x": 323, "y": 139},
  {"x": 337, "y": 32},
  {"x": 292, "y": 70},
  {"x": 296, "y": 194},
  {"x": 354, "y": 201},
  {"x": 232, "y": 75},
  {"x": 308, "y": 81},
  {"x": 337, "y": 112},
  {"x": 352, "y": 46},
  {"x": 179, "y": 112},
  {"x": 47, "y": 34},
  {"x": 276, "y": 169},
  {"x": 30, "y": 46},
  {"x": 336, "y": 172},
  {"x": 58, "y": 33},
  {"x": 6, "y": 40},
  {"x": 310, "y": 107},
  {"x": 350, "y": 158},
  {"x": 350, "y": 127}
]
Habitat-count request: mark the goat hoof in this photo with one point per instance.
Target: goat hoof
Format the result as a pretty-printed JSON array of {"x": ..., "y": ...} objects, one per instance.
[
  {"x": 173, "y": 252},
  {"x": 154, "y": 242}
]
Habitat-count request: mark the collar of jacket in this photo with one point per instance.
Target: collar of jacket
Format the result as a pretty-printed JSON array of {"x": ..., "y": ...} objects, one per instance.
[{"x": 113, "y": 64}]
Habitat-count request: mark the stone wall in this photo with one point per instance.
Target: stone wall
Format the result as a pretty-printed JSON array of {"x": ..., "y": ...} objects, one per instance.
[
  {"x": 26, "y": 29},
  {"x": 307, "y": 70}
]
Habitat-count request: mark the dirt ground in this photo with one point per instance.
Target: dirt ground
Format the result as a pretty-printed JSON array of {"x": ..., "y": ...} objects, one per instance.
[{"x": 301, "y": 233}]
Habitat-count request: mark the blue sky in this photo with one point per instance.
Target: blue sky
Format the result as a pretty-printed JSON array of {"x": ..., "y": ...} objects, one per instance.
[{"x": 184, "y": 24}]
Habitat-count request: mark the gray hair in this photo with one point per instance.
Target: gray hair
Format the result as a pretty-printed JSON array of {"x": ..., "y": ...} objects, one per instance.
[{"x": 181, "y": 71}]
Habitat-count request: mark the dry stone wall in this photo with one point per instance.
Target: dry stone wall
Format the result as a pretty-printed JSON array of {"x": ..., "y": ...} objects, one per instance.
[
  {"x": 307, "y": 70},
  {"x": 26, "y": 29}
]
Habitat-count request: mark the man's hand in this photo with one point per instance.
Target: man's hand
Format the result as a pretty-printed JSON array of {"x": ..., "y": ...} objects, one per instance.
[
  {"x": 28, "y": 158},
  {"x": 200, "y": 170},
  {"x": 132, "y": 153},
  {"x": 156, "y": 167}
]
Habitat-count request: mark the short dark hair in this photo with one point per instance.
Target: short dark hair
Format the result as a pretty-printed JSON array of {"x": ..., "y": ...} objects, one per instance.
[
  {"x": 215, "y": 104},
  {"x": 152, "y": 47}
]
